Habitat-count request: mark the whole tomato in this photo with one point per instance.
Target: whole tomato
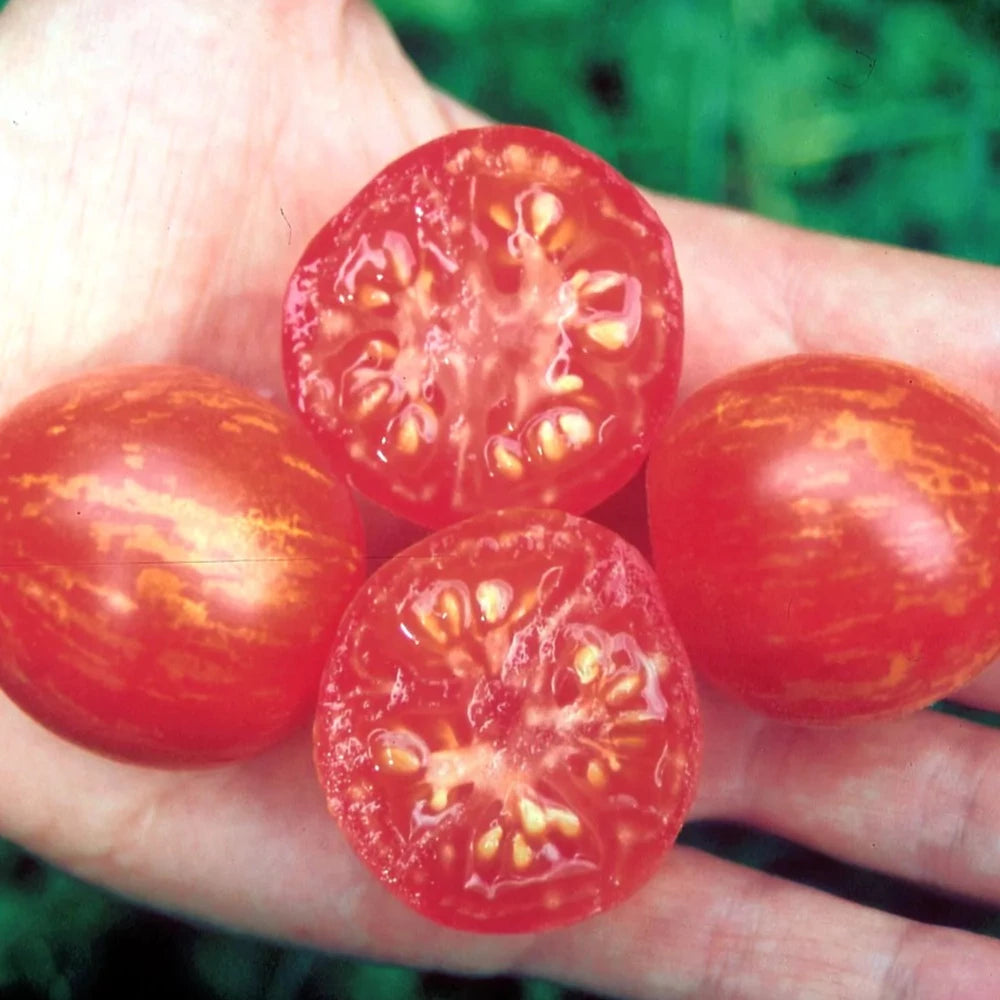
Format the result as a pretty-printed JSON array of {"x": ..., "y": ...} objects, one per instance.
[
  {"x": 827, "y": 533},
  {"x": 494, "y": 320},
  {"x": 174, "y": 556}
]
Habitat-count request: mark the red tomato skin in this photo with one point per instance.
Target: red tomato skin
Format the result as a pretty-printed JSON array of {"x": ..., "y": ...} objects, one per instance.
[
  {"x": 485, "y": 366},
  {"x": 827, "y": 532},
  {"x": 458, "y": 665},
  {"x": 174, "y": 556}
]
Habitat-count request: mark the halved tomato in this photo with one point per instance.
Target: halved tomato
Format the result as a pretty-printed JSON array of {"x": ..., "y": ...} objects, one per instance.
[
  {"x": 508, "y": 732},
  {"x": 494, "y": 320}
]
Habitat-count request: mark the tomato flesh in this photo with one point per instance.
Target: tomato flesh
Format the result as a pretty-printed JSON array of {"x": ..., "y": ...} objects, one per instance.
[
  {"x": 174, "y": 556},
  {"x": 827, "y": 533},
  {"x": 494, "y": 320},
  {"x": 508, "y": 731}
]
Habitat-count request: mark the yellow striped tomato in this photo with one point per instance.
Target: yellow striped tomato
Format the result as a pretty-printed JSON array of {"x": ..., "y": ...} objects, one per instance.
[
  {"x": 174, "y": 557},
  {"x": 827, "y": 532}
]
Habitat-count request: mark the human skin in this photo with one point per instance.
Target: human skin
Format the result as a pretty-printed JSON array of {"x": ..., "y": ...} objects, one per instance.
[{"x": 163, "y": 168}]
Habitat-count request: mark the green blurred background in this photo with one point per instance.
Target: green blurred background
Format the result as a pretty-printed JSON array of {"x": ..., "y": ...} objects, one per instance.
[{"x": 869, "y": 118}]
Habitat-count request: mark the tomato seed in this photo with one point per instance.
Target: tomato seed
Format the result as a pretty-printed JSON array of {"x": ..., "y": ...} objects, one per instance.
[
  {"x": 623, "y": 689},
  {"x": 587, "y": 663},
  {"x": 507, "y": 462},
  {"x": 611, "y": 334},
  {"x": 532, "y": 817},
  {"x": 545, "y": 210},
  {"x": 502, "y": 216},
  {"x": 521, "y": 853},
  {"x": 489, "y": 843},
  {"x": 577, "y": 427},
  {"x": 493, "y": 597}
]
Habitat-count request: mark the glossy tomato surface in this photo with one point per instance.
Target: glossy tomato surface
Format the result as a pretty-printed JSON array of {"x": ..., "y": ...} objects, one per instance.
[
  {"x": 174, "y": 557},
  {"x": 827, "y": 532},
  {"x": 508, "y": 731},
  {"x": 494, "y": 320}
]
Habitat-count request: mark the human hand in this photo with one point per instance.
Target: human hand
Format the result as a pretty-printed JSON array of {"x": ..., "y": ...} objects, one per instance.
[{"x": 168, "y": 166}]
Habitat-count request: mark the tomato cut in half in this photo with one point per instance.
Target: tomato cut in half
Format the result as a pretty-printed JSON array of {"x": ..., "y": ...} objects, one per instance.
[
  {"x": 827, "y": 532},
  {"x": 174, "y": 558},
  {"x": 495, "y": 320},
  {"x": 508, "y": 731}
]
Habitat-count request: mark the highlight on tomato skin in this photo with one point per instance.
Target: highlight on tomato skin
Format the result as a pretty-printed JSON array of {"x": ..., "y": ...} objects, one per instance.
[
  {"x": 495, "y": 319},
  {"x": 826, "y": 529},
  {"x": 508, "y": 731},
  {"x": 174, "y": 557}
]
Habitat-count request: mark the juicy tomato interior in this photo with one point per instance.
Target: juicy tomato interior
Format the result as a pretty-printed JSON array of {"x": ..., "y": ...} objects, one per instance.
[
  {"x": 827, "y": 533},
  {"x": 508, "y": 731},
  {"x": 494, "y": 320}
]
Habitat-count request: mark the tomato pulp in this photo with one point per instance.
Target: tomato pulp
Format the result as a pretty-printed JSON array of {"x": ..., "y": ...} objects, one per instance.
[
  {"x": 495, "y": 320},
  {"x": 174, "y": 557},
  {"x": 827, "y": 533},
  {"x": 508, "y": 731}
]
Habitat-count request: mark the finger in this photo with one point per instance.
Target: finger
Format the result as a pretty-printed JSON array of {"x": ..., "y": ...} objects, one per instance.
[
  {"x": 709, "y": 928},
  {"x": 917, "y": 797},
  {"x": 755, "y": 289}
]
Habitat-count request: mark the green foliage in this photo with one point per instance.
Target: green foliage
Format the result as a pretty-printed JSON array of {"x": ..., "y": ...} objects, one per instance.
[
  {"x": 874, "y": 119},
  {"x": 50, "y": 925}
]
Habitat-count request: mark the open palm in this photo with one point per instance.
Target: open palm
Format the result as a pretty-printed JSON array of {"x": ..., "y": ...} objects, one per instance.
[{"x": 162, "y": 170}]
